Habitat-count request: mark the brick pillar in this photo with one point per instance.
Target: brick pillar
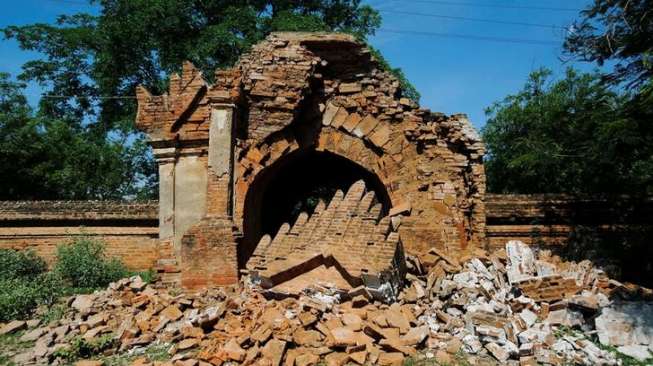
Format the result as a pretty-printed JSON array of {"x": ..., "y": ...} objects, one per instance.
[
  {"x": 165, "y": 157},
  {"x": 209, "y": 248},
  {"x": 167, "y": 264},
  {"x": 221, "y": 161}
]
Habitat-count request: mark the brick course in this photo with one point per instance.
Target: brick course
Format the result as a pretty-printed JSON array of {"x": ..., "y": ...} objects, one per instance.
[{"x": 130, "y": 230}]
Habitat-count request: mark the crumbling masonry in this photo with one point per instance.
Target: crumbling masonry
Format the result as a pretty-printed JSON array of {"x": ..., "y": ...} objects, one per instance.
[{"x": 302, "y": 105}]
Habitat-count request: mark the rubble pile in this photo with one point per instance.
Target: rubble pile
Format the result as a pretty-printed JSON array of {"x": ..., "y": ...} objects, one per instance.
[
  {"x": 538, "y": 310},
  {"x": 512, "y": 306}
]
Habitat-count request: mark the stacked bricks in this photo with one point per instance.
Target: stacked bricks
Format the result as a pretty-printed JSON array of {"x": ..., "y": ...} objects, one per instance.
[{"x": 348, "y": 233}]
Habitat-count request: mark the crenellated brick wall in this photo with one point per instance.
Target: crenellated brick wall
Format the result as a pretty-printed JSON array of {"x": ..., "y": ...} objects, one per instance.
[{"x": 130, "y": 230}]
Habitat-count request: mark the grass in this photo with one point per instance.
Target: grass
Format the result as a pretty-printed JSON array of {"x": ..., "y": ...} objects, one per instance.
[
  {"x": 563, "y": 330},
  {"x": 94, "y": 349},
  {"x": 625, "y": 359},
  {"x": 153, "y": 352},
  {"x": 81, "y": 348},
  {"x": 458, "y": 359},
  {"x": 54, "y": 313},
  {"x": 10, "y": 344}
]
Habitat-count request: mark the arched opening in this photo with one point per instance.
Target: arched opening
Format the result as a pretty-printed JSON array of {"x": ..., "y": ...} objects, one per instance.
[{"x": 296, "y": 183}]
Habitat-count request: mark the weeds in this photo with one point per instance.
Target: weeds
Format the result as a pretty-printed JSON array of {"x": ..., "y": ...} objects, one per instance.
[{"x": 81, "y": 348}]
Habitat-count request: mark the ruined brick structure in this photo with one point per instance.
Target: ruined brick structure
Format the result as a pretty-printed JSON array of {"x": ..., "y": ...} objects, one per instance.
[
  {"x": 348, "y": 243},
  {"x": 294, "y": 102}
]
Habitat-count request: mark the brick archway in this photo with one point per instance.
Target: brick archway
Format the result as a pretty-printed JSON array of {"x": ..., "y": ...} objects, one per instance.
[
  {"x": 296, "y": 91},
  {"x": 274, "y": 193},
  {"x": 256, "y": 159}
]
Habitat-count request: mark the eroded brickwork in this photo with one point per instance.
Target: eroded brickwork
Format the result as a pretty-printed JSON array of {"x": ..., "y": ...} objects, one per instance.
[
  {"x": 299, "y": 92},
  {"x": 349, "y": 234},
  {"x": 547, "y": 220}
]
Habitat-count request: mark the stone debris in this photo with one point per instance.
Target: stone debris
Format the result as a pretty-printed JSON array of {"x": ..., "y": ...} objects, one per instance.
[{"x": 475, "y": 306}]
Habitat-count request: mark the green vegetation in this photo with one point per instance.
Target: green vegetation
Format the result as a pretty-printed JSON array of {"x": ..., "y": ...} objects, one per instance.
[
  {"x": 624, "y": 359},
  {"x": 48, "y": 157},
  {"x": 82, "y": 263},
  {"x": 24, "y": 284},
  {"x": 579, "y": 136},
  {"x": 408, "y": 90},
  {"x": 20, "y": 264},
  {"x": 584, "y": 133},
  {"x": 153, "y": 352},
  {"x": 53, "y": 313},
  {"x": 587, "y": 134},
  {"x": 11, "y": 343},
  {"x": 79, "y": 348},
  {"x": 574, "y": 135},
  {"x": 81, "y": 267},
  {"x": 82, "y": 348},
  {"x": 458, "y": 359},
  {"x": 614, "y": 30},
  {"x": 79, "y": 144}
]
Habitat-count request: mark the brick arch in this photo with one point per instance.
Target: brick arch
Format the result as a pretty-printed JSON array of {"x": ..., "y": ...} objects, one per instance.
[
  {"x": 254, "y": 176},
  {"x": 256, "y": 159}
]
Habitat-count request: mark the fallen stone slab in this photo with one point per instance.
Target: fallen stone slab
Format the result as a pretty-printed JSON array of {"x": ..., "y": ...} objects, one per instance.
[
  {"x": 637, "y": 351},
  {"x": 626, "y": 323}
]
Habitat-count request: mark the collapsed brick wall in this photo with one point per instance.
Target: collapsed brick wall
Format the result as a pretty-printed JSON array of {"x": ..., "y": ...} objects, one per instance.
[
  {"x": 349, "y": 234},
  {"x": 335, "y": 98},
  {"x": 130, "y": 230}
]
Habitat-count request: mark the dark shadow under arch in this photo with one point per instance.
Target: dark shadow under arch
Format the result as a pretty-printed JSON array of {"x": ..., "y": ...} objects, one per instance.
[{"x": 292, "y": 185}]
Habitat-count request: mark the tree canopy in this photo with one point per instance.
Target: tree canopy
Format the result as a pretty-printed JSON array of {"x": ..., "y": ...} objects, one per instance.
[
  {"x": 574, "y": 135},
  {"x": 90, "y": 64},
  {"x": 617, "y": 30},
  {"x": 133, "y": 42},
  {"x": 586, "y": 133},
  {"x": 45, "y": 158}
]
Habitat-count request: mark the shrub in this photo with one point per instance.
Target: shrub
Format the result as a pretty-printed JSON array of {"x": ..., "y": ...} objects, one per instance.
[
  {"x": 82, "y": 348},
  {"x": 16, "y": 264},
  {"x": 24, "y": 283},
  {"x": 19, "y": 296},
  {"x": 82, "y": 263}
]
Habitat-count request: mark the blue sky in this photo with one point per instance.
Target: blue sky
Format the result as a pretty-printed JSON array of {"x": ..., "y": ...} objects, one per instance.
[{"x": 454, "y": 75}]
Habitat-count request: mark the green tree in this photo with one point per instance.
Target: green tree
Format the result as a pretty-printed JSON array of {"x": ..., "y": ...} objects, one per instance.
[
  {"x": 46, "y": 158},
  {"x": 620, "y": 31},
  {"x": 133, "y": 42},
  {"x": 90, "y": 65},
  {"x": 574, "y": 135}
]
